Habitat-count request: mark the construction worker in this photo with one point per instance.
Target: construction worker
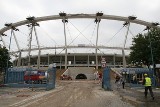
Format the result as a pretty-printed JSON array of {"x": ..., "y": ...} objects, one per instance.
[{"x": 148, "y": 86}]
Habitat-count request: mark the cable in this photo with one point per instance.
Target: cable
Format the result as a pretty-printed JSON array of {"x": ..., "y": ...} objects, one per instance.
[
  {"x": 10, "y": 40},
  {"x": 115, "y": 34},
  {"x": 49, "y": 35},
  {"x": 93, "y": 31},
  {"x": 70, "y": 36},
  {"x": 82, "y": 31},
  {"x": 92, "y": 34},
  {"x": 78, "y": 34},
  {"x": 131, "y": 33},
  {"x": 21, "y": 41},
  {"x": 88, "y": 40}
]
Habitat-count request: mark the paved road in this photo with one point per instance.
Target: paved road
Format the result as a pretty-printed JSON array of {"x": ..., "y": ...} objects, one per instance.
[{"x": 74, "y": 94}]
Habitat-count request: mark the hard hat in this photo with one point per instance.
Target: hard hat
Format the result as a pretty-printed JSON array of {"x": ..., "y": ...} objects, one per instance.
[{"x": 145, "y": 74}]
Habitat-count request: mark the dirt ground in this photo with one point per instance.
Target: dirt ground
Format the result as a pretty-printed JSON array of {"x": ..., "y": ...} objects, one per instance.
[{"x": 66, "y": 94}]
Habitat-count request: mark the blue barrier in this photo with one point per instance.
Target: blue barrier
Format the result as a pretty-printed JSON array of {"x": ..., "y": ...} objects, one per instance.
[
  {"x": 130, "y": 71},
  {"x": 15, "y": 75},
  {"x": 106, "y": 79},
  {"x": 15, "y": 78},
  {"x": 52, "y": 81}
]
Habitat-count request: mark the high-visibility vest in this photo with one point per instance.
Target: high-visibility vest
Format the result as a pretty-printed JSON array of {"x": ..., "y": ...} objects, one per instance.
[{"x": 148, "y": 81}]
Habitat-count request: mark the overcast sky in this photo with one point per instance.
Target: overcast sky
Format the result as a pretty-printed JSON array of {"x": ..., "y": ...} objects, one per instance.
[{"x": 50, "y": 33}]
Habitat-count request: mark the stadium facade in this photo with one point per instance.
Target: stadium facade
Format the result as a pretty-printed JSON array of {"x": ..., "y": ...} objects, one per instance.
[{"x": 73, "y": 60}]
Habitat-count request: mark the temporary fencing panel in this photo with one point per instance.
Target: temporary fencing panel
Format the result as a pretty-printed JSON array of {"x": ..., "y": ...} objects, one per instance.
[
  {"x": 130, "y": 72},
  {"x": 15, "y": 75},
  {"x": 15, "y": 78}
]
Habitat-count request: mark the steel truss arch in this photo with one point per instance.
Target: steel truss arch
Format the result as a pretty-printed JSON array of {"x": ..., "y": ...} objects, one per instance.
[
  {"x": 64, "y": 17},
  {"x": 76, "y": 16}
]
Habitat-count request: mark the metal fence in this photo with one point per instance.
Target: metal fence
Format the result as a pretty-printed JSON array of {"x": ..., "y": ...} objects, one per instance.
[{"x": 15, "y": 78}]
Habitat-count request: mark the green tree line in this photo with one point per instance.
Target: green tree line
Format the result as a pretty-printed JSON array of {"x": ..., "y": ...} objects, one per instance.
[
  {"x": 146, "y": 48},
  {"x": 4, "y": 59}
]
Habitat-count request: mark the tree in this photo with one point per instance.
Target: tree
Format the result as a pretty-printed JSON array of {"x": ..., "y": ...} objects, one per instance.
[
  {"x": 4, "y": 59},
  {"x": 142, "y": 47}
]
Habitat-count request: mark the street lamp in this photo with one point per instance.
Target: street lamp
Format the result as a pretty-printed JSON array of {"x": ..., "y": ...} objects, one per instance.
[
  {"x": 148, "y": 28},
  {"x": 150, "y": 44}
]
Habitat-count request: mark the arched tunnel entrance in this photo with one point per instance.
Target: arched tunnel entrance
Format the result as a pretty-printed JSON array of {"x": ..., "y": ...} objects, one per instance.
[{"x": 81, "y": 76}]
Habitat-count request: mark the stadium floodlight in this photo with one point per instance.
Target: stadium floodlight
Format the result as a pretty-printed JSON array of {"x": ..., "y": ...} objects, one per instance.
[
  {"x": 62, "y": 14},
  {"x": 97, "y": 20},
  {"x": 147, "y": 28},
  {"x": 99, "y": 14},
  {"x": 30, "y": 18},
  {"x": 66, "y": 21},
  {"x": 125, "y": 23},
  {"x": 3, "y": 34},
  {"x": 132, "y": 17},
  {"x": 155, "y": 24},
  {"x": 14, "y": 28},
  {"x": 36, "y": 24},
  {"x": 8, "y": 24}
]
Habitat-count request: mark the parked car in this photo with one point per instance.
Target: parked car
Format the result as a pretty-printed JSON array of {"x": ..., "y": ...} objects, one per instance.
[
  {"x": 65, "y": 77},
  {"x": 36, "y": 77}
]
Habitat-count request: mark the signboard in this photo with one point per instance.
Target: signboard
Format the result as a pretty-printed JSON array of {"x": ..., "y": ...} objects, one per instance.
[
  {"x": 157, "y": 65},
  {"x": 103, "y": 65},
  {"x": 103, "y": 62},
  {"x": 17, "y": 69},
  {"x": 132, "y": 72},
  {"x": 52, "y": 65},
  {"x": 81, "y": 45}
]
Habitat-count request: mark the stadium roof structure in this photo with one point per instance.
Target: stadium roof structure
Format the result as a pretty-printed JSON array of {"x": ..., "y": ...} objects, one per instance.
[{"x": 33, "y": 22}]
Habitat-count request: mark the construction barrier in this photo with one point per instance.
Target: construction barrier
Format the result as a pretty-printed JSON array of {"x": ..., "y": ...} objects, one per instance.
[{"x": 15, "y": 77}]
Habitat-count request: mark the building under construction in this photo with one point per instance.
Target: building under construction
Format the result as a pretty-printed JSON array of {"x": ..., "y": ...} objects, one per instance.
[{"x": 74, "y": 60}]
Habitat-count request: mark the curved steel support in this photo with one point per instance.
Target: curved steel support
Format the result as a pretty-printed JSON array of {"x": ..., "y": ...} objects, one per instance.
[
  {"x": 123, "y": 53},
  {"x": 39, "y": 51},
  {"x": 19, "y": 57},
  {"x": 74, "y": 16},
  {"x": 97, "y": 21},
  {"x": 64, "y": 23},
  {"x": 29, "y": 50}
]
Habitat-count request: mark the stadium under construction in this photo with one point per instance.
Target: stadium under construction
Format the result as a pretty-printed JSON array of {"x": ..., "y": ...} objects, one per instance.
[{"x": 74, "y": 60}]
